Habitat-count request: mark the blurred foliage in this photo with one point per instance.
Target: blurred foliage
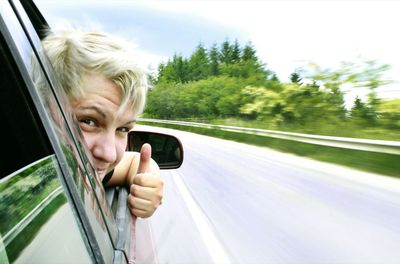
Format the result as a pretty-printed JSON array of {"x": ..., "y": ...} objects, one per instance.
[
  {"x": 230, "y": 82},
  {"x": 21, "y": 193},
  {"x": 294, "y": 104},
  {"x": 23, "y": 239},
  {"x": 389, "y": 113}
]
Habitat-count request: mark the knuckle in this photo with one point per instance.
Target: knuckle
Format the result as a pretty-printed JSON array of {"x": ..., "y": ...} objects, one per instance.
[
  {"x": 130, "y": 197},
  {"x": 138, "y": 179},
  {"x": 132, "y": 211},
  {"x": 159, "y": 197},
  {"x": 147, "y": 214},
  {"x": 134, "y": 190}
]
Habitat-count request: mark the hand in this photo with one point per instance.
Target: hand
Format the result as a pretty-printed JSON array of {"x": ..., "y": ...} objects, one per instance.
[{"x": 146, "y": 192}]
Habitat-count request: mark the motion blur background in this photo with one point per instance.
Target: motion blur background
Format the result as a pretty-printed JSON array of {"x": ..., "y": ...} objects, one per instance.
[{"x": 316, "y": 67}]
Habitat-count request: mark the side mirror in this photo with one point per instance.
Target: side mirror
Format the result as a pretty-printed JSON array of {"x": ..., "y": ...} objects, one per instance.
[{"x": 167, "y": 150}]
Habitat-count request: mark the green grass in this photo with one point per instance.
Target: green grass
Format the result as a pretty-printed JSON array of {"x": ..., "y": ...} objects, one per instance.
[
  {"x": 344, "y": 129},
  {"x": 385, "y": 164},
  {"x": 23, "y": 239}
]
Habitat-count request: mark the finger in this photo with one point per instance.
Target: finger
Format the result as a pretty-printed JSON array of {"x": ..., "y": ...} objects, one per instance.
[
  {"x": 141, "y": 204},
  {"x": 145, "y": 158},
  {"x": 140, "y": 213},
  {"x": 147, "y": 193}
]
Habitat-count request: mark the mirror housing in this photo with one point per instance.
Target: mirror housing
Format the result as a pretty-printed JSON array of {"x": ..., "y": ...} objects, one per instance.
[{"x": 167, "y": 150}]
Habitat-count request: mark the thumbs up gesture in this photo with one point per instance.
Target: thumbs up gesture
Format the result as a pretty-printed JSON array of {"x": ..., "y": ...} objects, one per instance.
[{"x": 146, "y": 191}]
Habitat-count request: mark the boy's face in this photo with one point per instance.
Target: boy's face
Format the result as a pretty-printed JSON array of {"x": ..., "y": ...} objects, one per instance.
[{"x": 104, "y": 126}]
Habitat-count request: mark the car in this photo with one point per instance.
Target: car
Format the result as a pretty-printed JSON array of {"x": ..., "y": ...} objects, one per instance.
[{"x": 54, "y": 208}]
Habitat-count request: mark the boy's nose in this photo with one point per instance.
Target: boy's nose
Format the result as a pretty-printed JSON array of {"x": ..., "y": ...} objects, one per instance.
[{"x": 104, "y": 149}]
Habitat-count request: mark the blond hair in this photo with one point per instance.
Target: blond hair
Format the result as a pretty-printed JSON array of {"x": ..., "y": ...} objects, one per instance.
[{"x": 74, "y": 53}]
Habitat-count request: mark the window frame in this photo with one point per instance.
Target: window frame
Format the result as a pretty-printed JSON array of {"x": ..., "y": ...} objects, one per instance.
[{"x": 19, "y": 57}]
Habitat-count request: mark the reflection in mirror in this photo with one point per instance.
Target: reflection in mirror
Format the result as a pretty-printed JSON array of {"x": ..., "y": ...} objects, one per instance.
[{"x": 167, "y": 150}]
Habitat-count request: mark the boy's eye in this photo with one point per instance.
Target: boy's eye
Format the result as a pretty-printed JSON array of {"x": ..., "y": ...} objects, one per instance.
[
  {"x": 88, "y": 122},
  {"x": 124, "y": 129}
]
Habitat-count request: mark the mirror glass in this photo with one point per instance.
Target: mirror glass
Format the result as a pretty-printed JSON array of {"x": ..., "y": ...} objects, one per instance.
[{"x": 167, "y": 150}]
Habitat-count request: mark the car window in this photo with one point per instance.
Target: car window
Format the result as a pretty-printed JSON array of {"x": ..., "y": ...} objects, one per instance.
[
  {"x": 74, "y": 171},
  {"x": 33, "y": 205},
  {"x": 37, "y": 224},
  {"x": 19, "y": 148},
  {"x": 56, "y": 103}
]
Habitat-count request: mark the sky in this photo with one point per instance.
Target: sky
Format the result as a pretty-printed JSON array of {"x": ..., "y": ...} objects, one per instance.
[{"x": 286, "y": 34}]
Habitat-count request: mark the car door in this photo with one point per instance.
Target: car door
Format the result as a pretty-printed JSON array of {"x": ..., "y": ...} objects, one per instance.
[{"x": 46, "y": 153}]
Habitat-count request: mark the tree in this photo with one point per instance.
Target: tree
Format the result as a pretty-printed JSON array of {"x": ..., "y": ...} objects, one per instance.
[
  {"x": 367, "y": 74},
  {"x": 175, "y": 70},
  {"x": 359, "y": 74},
  {"x": 261, "y": 102},
  {"x": 226, "y": 53},
  {"x": 389, "y": 113},
  {"x": 236, "y": 52},
  {"x": 360, "y": 113},
  {"x": 292, "y": 105},
  {"x": 213, "y": 56},
  {"x": 199, "y": 65},
  {"x": 274, "y": 78},
  {"x": 249, "y": 53},
  {"x": 208, "y": 84},
  {"x": 295, "y": 78}
]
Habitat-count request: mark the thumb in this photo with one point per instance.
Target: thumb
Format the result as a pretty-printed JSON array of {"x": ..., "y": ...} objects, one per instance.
[{"x": 145, "y": 158}]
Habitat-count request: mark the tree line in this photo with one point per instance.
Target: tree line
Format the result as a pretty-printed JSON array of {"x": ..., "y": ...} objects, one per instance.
[
  {"x": 227, "y": 60},
  {"x": 230, "y": 81}
]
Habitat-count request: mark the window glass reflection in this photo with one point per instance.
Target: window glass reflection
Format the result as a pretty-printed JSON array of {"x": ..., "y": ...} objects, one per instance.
[{"x": 36, "y": 222}]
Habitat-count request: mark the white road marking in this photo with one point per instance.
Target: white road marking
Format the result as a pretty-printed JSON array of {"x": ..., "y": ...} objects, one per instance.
[{"x": 215, "y": 248}]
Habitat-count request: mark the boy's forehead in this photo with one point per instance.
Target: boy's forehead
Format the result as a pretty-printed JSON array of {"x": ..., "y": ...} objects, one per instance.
[
  {"x": 126, "y": 113},
  {"x": 104, "y": 108},
  {"x": 101, "y": 91}
]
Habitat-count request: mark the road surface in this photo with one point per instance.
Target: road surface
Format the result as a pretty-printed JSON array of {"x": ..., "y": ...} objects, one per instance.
[{"x": 236, "y": 203}]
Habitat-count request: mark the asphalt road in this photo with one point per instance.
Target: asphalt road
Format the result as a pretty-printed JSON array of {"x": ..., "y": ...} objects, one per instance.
[{"x": 236, "y": 203}]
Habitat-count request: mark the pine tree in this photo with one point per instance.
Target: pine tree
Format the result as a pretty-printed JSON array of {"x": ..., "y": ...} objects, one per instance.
[
  {"x": 295, "y": 78},
  {"x": 213, "y": 56},
  {"x": 199, "y": 65},
  {"x": 274, "y": 78},
  {"x": 236, "y": 52},
  {"x": 249, "y": 53},
  {"x": 226, "y": 53},
  {"x": 175, "y": 70}
]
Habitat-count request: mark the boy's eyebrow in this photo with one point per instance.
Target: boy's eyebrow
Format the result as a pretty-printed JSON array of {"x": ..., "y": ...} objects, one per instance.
[
  {"x": 95, "y": 108},
  {"x": 100, "y": 112},
  {"x": 129, "y": 122}
]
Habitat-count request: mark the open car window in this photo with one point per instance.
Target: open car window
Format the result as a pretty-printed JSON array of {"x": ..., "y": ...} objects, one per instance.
[
  {"x": 56, "y": 102},
  {"x": 78, "y": 175},
  {"x": 37, "y": 220}
]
